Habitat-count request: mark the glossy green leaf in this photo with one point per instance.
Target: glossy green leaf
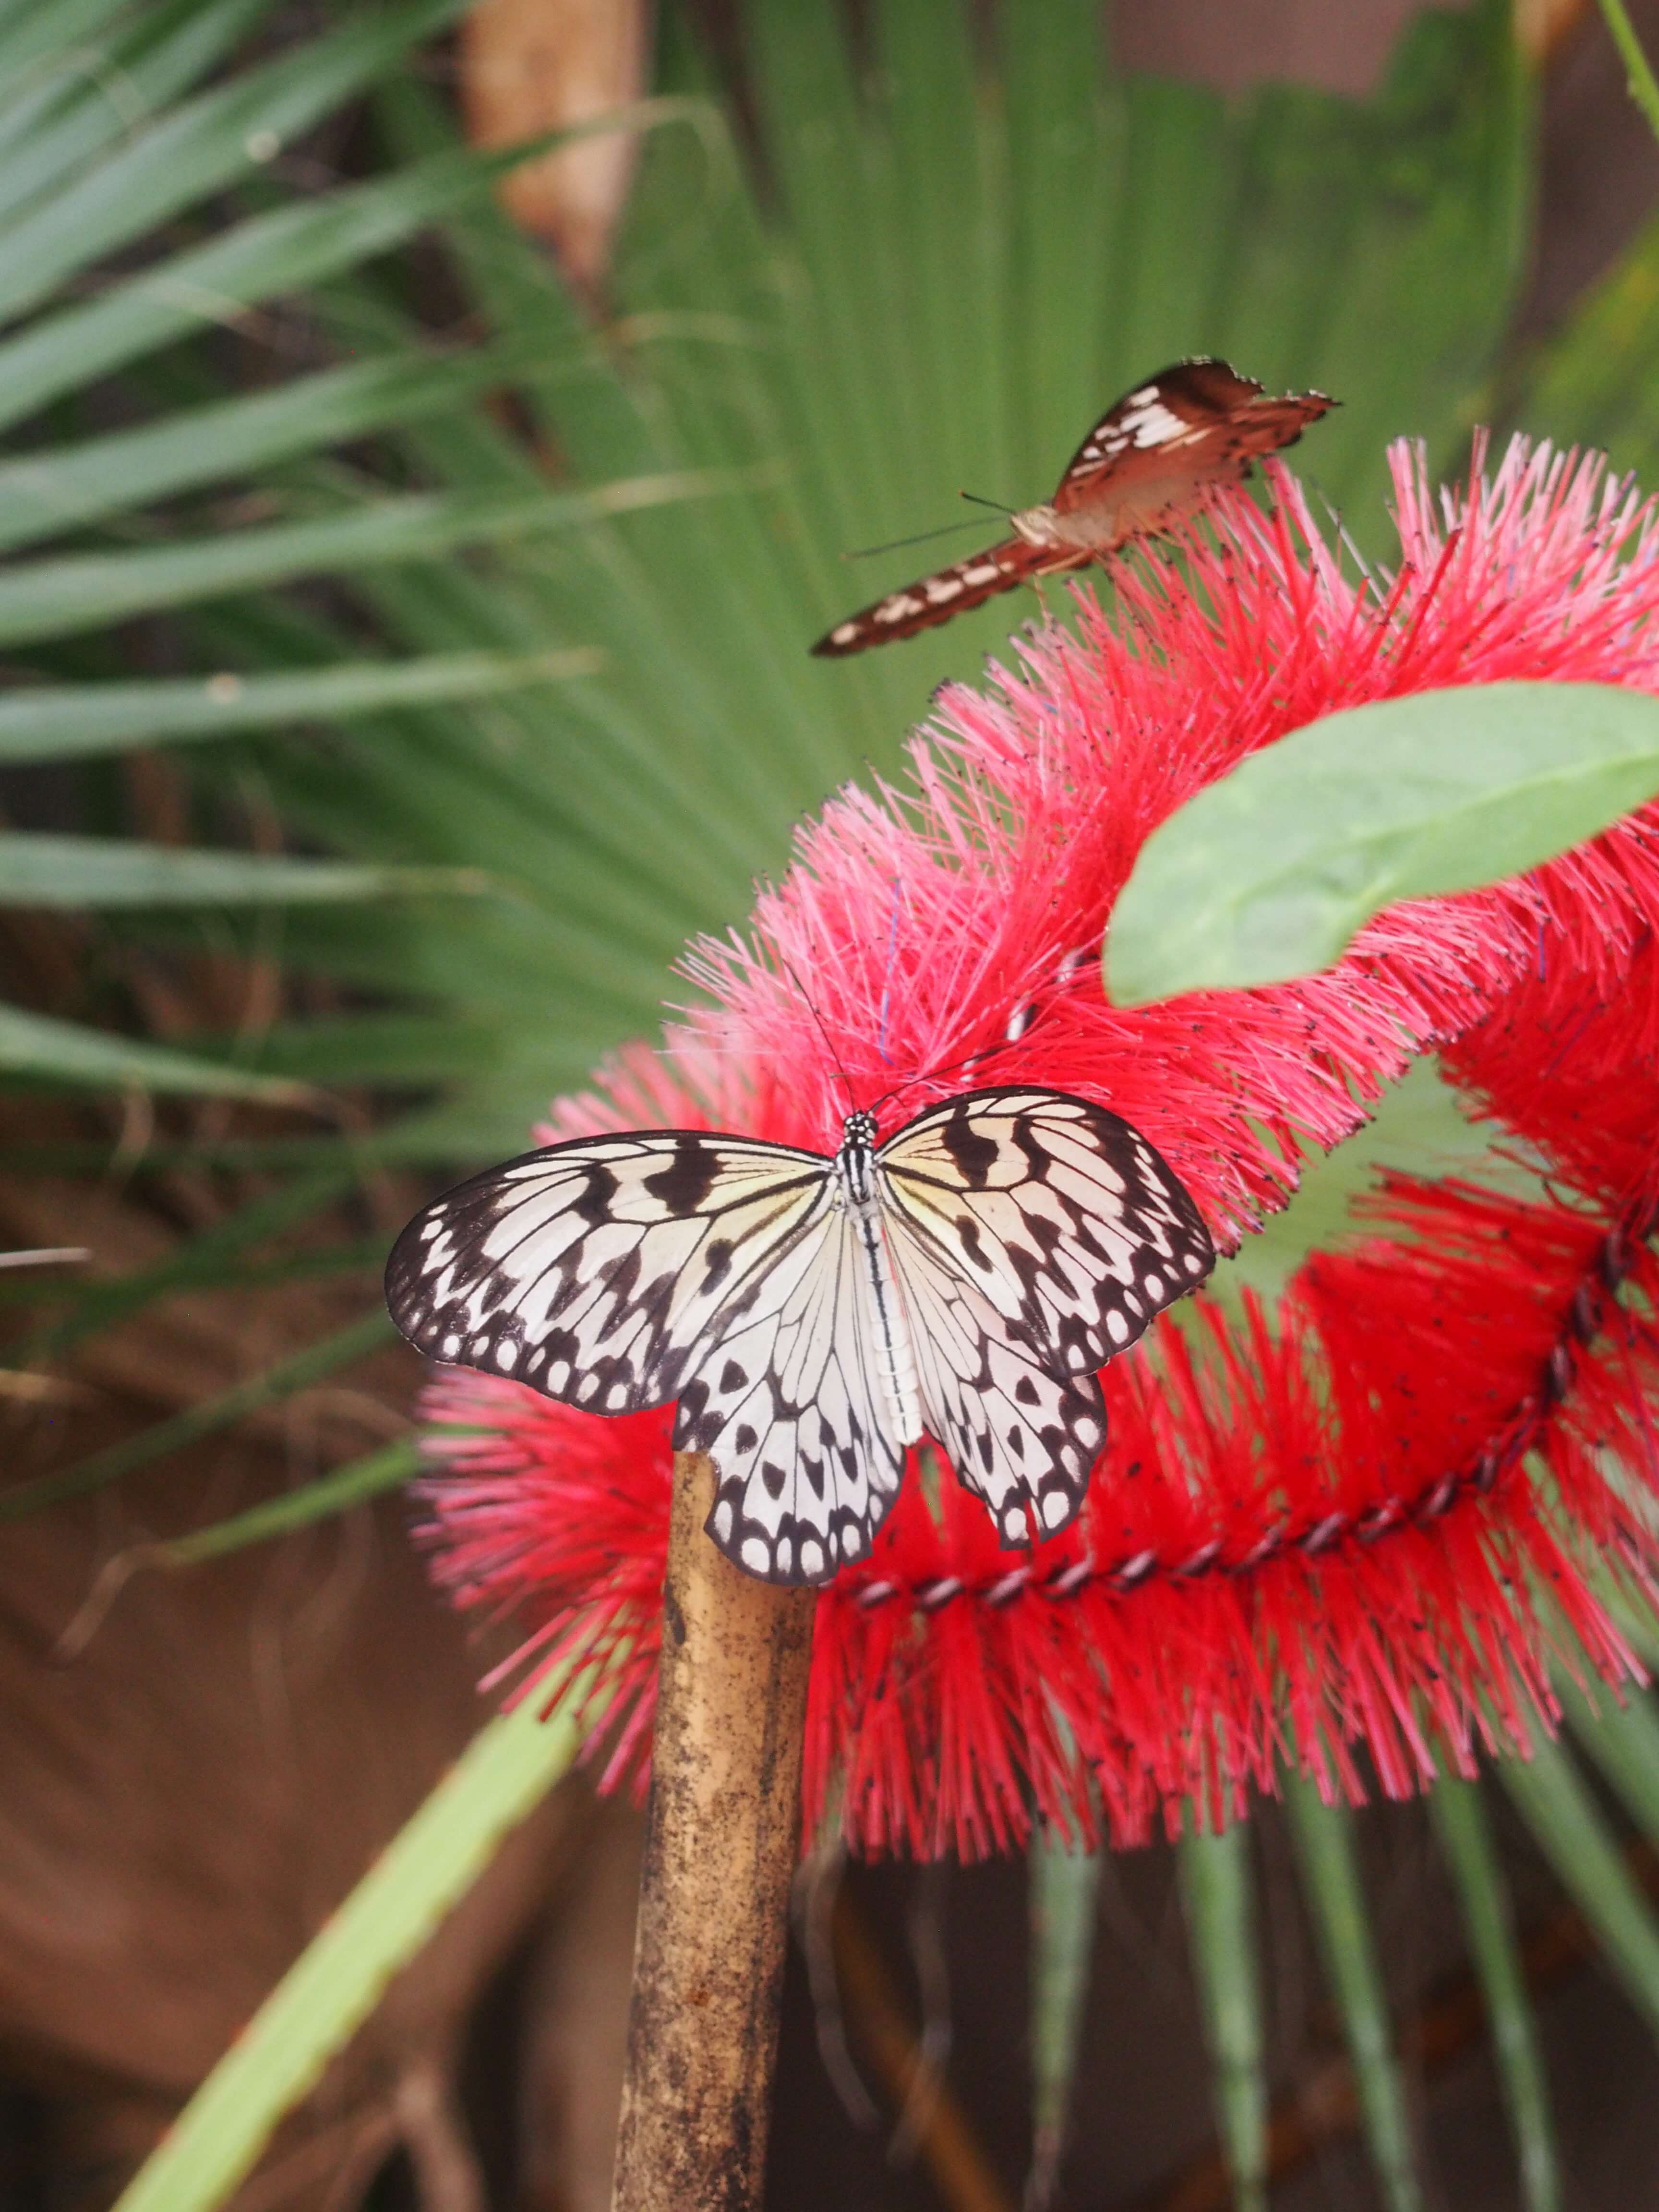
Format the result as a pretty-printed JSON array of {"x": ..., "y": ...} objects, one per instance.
[
  {"x": 964, "y": 248},
  {"x": 1336, "y": 1899},
  {"x": 1216, "y": 1889},
  {"x": 1459, "y": 1813},
  {"x": 1269, "y": 873},
  {"x": 503, "y": 1774}
]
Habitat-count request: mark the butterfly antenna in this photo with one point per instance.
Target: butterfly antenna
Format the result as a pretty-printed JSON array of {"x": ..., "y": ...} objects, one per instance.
[
  {"x": 1341, "y": 529},
  {"x": 922, "y": 537},
  {"x": 975, "y": 1058},
  {"x": 887, "y": 978},
  {"x": 980, "y": 499},
  {"x": 817, "y": 1018}
]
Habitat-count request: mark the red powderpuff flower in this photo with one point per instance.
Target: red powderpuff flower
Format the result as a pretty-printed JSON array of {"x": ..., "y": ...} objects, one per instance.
[{"x": 1354, "y": 1523}]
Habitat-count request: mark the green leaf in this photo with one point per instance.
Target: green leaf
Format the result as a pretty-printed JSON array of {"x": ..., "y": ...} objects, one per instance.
[
  {"x": 1216, "y": 1891},
  {"x": 78, "y": 100},
  {"x": 1268, "y": 874},
  {"x": 36, "y": 31},
  {"x": 58, "y": 487},
  {"x": 59, "y": 722},
  {"x": 221, "y": 135},
  {"x": 362, "y": 1478},
  {"x": 332, "y": 1987},
  {"x": 218, "y": 283},
  {"x": 1459, "y": 1812},
  {"x": 1572, "y": 1833},
  {"x": 41, "y": 870},
  {"x": 202, "y": 1258},
  {"x": 47, "y": 1050},
  {"x": 1623, "y": 1740},
  {"x": 49, "y": 599},
  {"x": 1639, "y": 75},
  {"x": 1065, "y": 1889},
  {"x": 1330, "y": 1871},
  {"x": 1419, "y": 1126}
]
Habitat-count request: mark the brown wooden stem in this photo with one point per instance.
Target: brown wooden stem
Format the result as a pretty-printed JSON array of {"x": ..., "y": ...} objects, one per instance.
[{"x": 720, "y": 1853}]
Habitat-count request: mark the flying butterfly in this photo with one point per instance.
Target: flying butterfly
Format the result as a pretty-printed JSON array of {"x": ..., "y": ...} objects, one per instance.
[
  {"x": 1146, "y": 463},
  {"x": 814, "y": 1315}
]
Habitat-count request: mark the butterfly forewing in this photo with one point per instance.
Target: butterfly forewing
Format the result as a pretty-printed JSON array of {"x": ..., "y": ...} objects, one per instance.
[
  {"x": 599, "y": 1271},
  {"x": 933, "y": 599},
  {"x": 1065, "y": 1219}
]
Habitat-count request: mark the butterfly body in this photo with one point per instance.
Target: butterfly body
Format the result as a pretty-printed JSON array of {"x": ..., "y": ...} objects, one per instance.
[
  {"x": 1148, "y": 461},
  {"x": 858, "y": 1193},
  {"x": 816, "y": 1315}
]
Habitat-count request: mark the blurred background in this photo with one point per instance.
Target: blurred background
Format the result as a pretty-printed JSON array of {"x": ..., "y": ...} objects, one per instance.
[{"x": 410, "y": 557}]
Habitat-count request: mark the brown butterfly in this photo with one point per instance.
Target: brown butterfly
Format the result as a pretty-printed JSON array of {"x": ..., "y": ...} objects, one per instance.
[{"x": 1147, "y": 462}]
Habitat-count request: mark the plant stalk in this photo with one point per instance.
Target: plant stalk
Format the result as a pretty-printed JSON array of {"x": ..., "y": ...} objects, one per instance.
[{"x": 719, "y": 1854}]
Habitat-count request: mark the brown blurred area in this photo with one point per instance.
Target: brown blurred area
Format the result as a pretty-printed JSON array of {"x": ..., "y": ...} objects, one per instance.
[{"x": 194, "y": 1784}]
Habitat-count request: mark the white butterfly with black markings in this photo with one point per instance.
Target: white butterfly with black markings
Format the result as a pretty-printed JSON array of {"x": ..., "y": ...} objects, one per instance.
[{"x": 815, "y": 1314}]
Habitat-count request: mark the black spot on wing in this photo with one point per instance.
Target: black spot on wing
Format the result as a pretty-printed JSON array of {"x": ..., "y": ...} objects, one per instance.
[
  {"x": 972, "y": 1243},
  {"x": 682, "y": 1187},
  {"x": 975, "y": 1155},
  {"x": 599, "y": 1189}
]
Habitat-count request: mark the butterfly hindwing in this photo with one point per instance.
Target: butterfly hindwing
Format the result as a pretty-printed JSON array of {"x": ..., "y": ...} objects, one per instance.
[
  {"x": 1019, "y": 1435},
  {"x": 1065, "y": 1219},
  {"x": 792, "y": 1412}
]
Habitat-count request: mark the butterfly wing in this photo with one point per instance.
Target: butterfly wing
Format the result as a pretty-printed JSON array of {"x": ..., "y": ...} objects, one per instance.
[
  {"x": 1193, "y": 423},
  {"x": 934, "y": 598},
  {"x": 1033, "y": 1235},
  {"x": 792, "y": 1408},
  {"x": 616, "y": 1273},
  {"x": 1019, "y": 1436},
  {"x": 1063, "y": 1217}
]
